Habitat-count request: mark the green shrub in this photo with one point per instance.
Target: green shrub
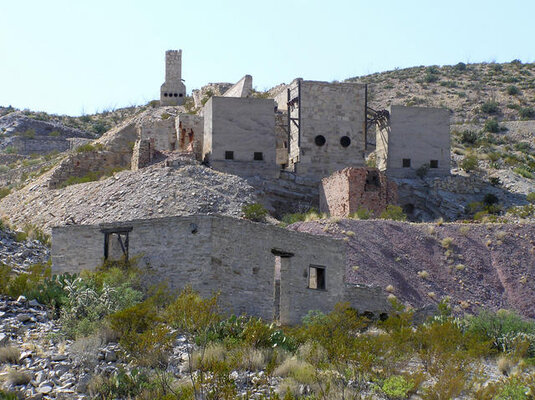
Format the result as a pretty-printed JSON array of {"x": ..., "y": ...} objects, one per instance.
[
  {"x": 361, "y": 213},
  {"x": 4, "y": 191},
  {"x": 422, "y": 170},
  {"x": 469, "y": 137},
  {"x": 460, "y": 66},
  {"x": 255, "y": 212},
  {"x": 526, "y": 112},
  {"x": 512, "y": 90},
  {"x": 394, "y": 213},
  {"x": 490, "y": 107},
  {"x": 491, "y": 125},
  {"x": 120, "y": 385},
  {"x": 531, "y": 197},
  {"x": 469, "y": 162},
  {"x": 397, "y": 387},
  {"x": 88, "y": 147},
  {"x": 506, "y": 330},
  {"x": 523, "y": 172}
]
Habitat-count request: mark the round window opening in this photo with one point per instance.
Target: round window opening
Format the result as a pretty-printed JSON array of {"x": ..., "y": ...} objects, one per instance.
[
  {"x": 319, "y": 140},
  {"x": 345, "y": 141}
]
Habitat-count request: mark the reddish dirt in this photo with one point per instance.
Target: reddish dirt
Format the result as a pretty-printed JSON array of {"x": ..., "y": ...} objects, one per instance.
[{"x": 499, "y": 261}]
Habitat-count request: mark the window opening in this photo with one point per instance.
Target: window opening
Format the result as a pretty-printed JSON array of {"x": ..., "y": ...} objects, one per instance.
[
  {"x": 258, "y": 156},
  {"x": 320, "y": 140},
  {"x": 433, "y": 164},
  {"x": 345, "y": 141},
  {"x": 316, "y": 277},
  {"x": 114, "y": 239},
  {"x": 406, "y": 163},
  {"x": 229, "y": 155}
]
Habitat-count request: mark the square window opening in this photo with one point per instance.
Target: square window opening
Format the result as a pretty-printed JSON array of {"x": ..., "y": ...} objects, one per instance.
[
  {"x": 258, "y": 156},
  {"x": 229, "y": 155},
  {"x": 316, "y": 277},
  {"x": 406, "y": 163},
  {"x": 433, "y": 164}
]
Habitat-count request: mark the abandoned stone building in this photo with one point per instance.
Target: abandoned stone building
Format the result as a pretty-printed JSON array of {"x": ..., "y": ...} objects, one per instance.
[
  {"x": 173, "y": 90},
  {"x": 259, "y": 269},
  {"x": 413, "y": 138},
  {"x": 346, "y": 191}
]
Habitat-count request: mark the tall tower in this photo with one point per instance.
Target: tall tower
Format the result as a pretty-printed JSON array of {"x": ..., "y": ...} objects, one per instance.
[{"x": 173, "y": 90}]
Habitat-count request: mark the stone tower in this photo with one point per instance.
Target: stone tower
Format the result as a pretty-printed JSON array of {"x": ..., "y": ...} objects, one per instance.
[{"x": 173, "y": 90}]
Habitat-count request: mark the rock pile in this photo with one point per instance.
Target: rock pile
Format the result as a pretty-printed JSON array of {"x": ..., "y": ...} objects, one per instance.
[
  {"x": 156, "y": 191},
  {"x": 40, "y": 367},
  {"x": 21, "y": 254}
]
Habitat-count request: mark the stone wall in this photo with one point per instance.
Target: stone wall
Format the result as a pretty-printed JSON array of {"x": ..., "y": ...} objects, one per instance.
[
  {"x": 163, "y": 131},
  {"x": 238, "y": 130},
  {"x": 414, "y": 137},
  {"x": 118, "y": 144},
  {"x": 345, "y": 191},
  {"x": 329, "y": 133},
  {"x": 214, "y": 253},
  {"x": 190, "y": 134},
  {"x": 143, "y": 153}
]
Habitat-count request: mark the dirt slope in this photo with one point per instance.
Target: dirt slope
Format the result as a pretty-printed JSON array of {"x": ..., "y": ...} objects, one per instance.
[{"x": 486, "y": 265}]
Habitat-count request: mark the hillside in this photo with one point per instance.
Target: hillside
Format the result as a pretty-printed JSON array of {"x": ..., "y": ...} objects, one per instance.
[
  {"x": 476, "y": 265},
  {"x": 463, "y": 88}
]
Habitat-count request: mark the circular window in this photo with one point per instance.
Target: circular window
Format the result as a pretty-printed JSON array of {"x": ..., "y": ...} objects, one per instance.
[
  {"x": 345, "y": 141},
  {"x": 165, "y": 95},
  {"x": 176, "y": 94},
  {"x": 319, "y": 140}
]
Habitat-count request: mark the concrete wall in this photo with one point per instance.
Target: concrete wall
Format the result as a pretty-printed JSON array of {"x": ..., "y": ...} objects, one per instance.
[
  {"x": 214, "y": 253},
  {"x": 345, "y": 191},
  {"x": 331, "y": 110},
  {"x": 243, "y": 126},
  {"x": 420, "y": 134}
]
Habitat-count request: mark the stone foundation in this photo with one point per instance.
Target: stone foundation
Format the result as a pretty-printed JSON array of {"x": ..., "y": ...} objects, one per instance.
[{"x": 345, "y": 191}]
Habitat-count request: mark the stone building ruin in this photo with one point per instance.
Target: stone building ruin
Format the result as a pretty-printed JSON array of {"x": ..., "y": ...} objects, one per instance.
[
  {"x": 259, "y": 269},
  {"x": 414, "y": 138},
  {"x": 173, "y": 90},
  {"x": 350, "y": 189}
]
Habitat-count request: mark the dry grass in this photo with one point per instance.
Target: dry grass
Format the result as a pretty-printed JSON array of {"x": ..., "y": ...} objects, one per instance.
[
  {"x": 390, "y": 289},
  {"x": 9, "y": 355},
  {"x": 446, "y": 242},
  {"x": 505, "y": 365},
  {"x": 16, "y": 378},
  {"x": 423, "y": 274}
]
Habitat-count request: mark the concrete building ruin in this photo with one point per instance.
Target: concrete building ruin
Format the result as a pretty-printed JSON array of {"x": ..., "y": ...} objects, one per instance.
[
  {"x": 259, "y": 269},
  {"x": 348, "y": 190}
]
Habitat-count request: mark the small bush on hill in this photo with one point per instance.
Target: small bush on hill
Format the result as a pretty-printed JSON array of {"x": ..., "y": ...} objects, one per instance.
[
  {"x": 255, "y": 212},
  {"x": 469, "y": 162},
  {"x": 4, "y": 191},
  {"x": 507, "y": 331},
  {"x": 512, "y": 90},
  {"x": 394, "y": 213},
  {"x": 526, "y": 112},
  {"x": 460, "y": 66},
  {"x": 490, "y": 107},
  {"x": 469, "y": 137},
  {"x": 491, "y": 125}
]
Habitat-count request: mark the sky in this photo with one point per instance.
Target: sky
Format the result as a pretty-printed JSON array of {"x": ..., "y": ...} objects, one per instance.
[{"x": 80, "y": 57}]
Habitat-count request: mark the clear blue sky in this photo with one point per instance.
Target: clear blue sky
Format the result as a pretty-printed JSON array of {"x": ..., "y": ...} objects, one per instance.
[{"x": 73, "y": 57}]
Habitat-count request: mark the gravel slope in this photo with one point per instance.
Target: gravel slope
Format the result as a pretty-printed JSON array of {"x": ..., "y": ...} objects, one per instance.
[
  {"x": 486, "y": 265},
  {"x": 156, "y": 191}
]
